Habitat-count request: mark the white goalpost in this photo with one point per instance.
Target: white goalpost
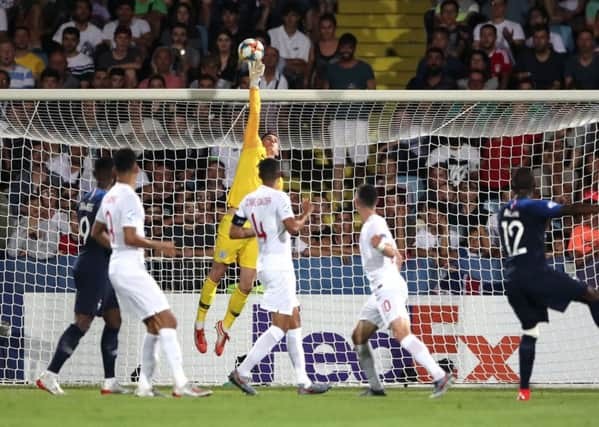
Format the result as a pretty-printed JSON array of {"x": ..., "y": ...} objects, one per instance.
[{"x": 440, "y": 160}]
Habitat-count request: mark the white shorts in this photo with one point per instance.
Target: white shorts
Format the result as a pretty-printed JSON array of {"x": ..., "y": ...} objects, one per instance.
[
  {"x": 385, "y": 305},
  {"x": 349, "y": 138},
  {"x": 137, "y": 291},
  {"x": 279, "y": 291}
]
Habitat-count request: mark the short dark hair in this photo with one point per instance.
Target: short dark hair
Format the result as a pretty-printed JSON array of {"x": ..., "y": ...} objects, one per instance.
[
  {"x": 268, "y": 133},
  {"x": 368, "y": 195},
  {"x": 269, "y": 170},
  {"x": 103, "y": 168},
  {"x": 122, "y": 29},
  {"x": 435, "y": 50},
  {"x": 585, "y": 30},
  {"x": 523, "y": 180},
  {"x": 130, "y": 3},
  {"x": 348, "y": 38},
  {"x": 49, "y": 72},
  {"x": 72, "y": 31},
  {"x": 490, "y": 26},
  {"x": 542, "y": 27},
  {"x": 328, "y": 17},
  {"x": 156, "y": 77},
  {"x": 117, "y": 71},
  {"x": 230, "y": 7},
  {"x": 450, "y": 2},
  {"x": 179, "y": 25},
  {"x": 291, "y": 7},
  {"x": 124, "y": 160}
]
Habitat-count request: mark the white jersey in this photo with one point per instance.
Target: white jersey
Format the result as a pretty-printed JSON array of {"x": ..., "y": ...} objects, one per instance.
[
  {"x": 266, "y": 209},
  {"x": 121, "y": 207},
  {"x": 379, "y": 269}
]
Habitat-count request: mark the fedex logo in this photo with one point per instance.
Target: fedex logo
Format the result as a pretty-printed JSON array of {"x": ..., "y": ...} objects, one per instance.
[{"x": 330, "y": 356}]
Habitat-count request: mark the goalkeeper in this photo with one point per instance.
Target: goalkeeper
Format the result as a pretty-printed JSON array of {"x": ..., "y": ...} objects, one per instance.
[{"x": 245, "y": 251}]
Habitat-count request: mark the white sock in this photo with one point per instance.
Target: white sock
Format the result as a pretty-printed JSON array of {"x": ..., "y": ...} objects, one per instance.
[
  {"x": 295, "y": 349},
  {"x": 261, "y": 348},
  {"x": 172, "y": 350},
  {"x": 199, "y": 325},
  {"x": 149, "y": 359},
  {"x": 419, "y": 352}
]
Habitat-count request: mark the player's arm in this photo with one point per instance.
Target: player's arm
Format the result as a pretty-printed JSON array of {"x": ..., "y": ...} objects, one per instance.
[
  {"x": 293, "y": 224},
  {"x": 382, "y": 244},
  {"x": 237, "y": 231},
  {"x": 100, "y": 234},
  {"x": 579, "y": 209},
  {"x": 135, "y": 240},
  {"x": 549, "y": 209},
  {"x": 251, "y": 139}
]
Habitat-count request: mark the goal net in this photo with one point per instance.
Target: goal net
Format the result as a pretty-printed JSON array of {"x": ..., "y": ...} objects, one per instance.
[{"x": 441, "y": 162}]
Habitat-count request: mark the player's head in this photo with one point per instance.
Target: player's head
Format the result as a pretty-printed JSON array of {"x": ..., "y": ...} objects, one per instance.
[
  {"x": 125, "y": 162},
  {"x": 270, "y": 140},
  {"x": 366, "y": 197},
  {"x": 104, "y": 172},
  {"x": 269, "y": 171},
  {"x": 523, "y": 182}
]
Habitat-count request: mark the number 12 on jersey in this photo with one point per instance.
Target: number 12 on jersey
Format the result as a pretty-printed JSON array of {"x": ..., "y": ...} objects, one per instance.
[{"x": 512, "y": 235}]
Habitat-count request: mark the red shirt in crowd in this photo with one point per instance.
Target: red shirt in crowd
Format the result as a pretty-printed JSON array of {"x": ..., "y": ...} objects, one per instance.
[{"x": 500, "y": 63}]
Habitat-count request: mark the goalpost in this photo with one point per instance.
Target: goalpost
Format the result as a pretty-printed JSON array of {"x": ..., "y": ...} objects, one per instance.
[{"x": 440, "y": 159}]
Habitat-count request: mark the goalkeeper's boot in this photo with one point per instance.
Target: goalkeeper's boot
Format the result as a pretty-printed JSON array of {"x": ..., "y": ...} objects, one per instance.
[
  {"x": 48, "y": 381},
  {"x": 221, "y": 338},
  {"x": 241, "y": 383},
  {"x": 190, "y": 390},
  {"x": 112, "y": 386},
  {"x": 372, "y": 392},
  {"x": 200, "y": 340},
  {"x": 314, "y": 389},
  {"x": 442, "y": 385},
  {"x": 523, "y": 394}
]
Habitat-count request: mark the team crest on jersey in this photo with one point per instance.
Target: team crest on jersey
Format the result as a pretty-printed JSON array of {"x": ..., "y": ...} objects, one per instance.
[{"x": 222, "y": 254}]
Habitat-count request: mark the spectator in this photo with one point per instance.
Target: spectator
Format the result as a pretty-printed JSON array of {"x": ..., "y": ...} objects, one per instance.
[
  {"x": 525, "y": 84},
  {"x": 156, "y": 81},
  {"x": 197, "y": 36},
  {"x": 209, "y": 66},
  {"x": 272, "y": 78},
  {"x": 509, "y": 33},
  {"x": 516, "y": 10},
  {"x": 453, "y": 67},
  {"x": 117, "y": 78},
  {"x": 4, "y": 79},
  {"x": 230, "y": 23},
  {"x": 468, "y": 11},
  {"x": 195, "y": 236},
  {"x": 100, "y": 79},
  {"x": 582, "y": 69},
  {"x": 162, "y": 63},
  {"x": 479, "y": 243},
  {"x": 123, "y": 55},
  {"x": 434, "y": 79},
  {"x": 20, "y": 77},
  {"x": 33, "y": 179},
  {"x": 204, "y": 81},
  {"x": 312, "y": 18},
  {"x": 476, "y": 80},
  {"x": 74, "y": 166},
  {"x": 501, "y": 66},
  {"x": 538, "y": 16},
  {"x": 458, "y": 156},
  {"x": 57, "y": 60},
  {"x": 294, "y": 47},
  {"x": 226, "y": 54},
  {"x": 139, "y": 29},
  {"x": 79, "y": 65},
  {"x": 349, "y": 72},
  {"x": 326, "y": 49},
  {"x": 459, "y": 34},
  {"x": 479, "y": 61},
  {"x": 541, "y": 64},
  {"x": 23, "y": 54},
  {"x": 50, "y": 79},
  {"x": 186, "y": 56},
  {"x": 90, "y": 35}
]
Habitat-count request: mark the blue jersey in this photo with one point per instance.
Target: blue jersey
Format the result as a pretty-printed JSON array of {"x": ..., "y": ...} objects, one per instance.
[
  {"x": 86, "y": 214},
  {"x": 522, "y": 223}
]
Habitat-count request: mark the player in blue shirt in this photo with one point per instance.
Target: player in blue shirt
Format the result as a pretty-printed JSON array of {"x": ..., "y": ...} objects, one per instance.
[
  {"x": 531, "y": 285},
  {"x": 95, "y": 296}
]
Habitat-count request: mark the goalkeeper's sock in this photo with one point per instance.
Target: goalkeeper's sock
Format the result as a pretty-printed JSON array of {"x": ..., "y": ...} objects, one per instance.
[
  {"x": 172, "y": 351},
  {"x": 419, "y": 352},
  {"x": 526, "y": 355},
  {"x": 261, "y": 348},
  {"x": 367, "y": 364},
  {"x": 109, "y": 345},
  {"x": 295, "y": 348},
  {"x": 67, "y": 343},
  {"x": 206, "y": 298},
  {"x": 149, "y": 360},
  {"x": 236, "y": 304}
]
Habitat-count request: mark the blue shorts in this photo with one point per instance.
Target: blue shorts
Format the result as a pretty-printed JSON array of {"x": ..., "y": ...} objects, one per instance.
[
  {"x": 530, "y": 296},
  {"x": 95, "y": 294}
]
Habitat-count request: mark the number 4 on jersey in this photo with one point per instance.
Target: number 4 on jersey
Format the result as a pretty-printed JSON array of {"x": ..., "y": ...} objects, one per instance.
[{"x": 259, "y": 231}]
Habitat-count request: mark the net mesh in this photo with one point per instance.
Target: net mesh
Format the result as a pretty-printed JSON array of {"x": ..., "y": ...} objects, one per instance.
[{"x": 442, "y": 170}]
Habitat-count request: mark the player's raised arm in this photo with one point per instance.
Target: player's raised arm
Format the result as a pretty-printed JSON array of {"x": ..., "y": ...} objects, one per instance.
[
  {"x": 579, "y": 209},
  {"x": 251, "y": 139}
]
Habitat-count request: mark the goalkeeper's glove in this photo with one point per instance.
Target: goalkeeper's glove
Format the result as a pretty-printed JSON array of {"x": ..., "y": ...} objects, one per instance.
[{"x": 256, "y": 69}]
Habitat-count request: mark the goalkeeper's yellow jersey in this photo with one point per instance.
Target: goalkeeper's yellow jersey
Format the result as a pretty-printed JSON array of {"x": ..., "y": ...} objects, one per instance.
[{"x": 246, "y": 177}]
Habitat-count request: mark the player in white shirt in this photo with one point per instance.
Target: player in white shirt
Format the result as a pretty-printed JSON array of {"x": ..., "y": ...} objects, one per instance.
[
  {"x": 386, "y": 306},
  {"x": 271, "y": 217},
  {"x": 121, "y": 219}
]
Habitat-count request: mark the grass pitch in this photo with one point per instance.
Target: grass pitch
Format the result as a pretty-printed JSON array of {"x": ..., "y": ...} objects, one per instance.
[{"x": 282, "y": 407}]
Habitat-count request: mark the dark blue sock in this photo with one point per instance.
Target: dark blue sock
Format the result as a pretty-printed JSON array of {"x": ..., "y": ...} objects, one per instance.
[
  {"x": 109, "y": 344},
  {"x": 66, "y": 346},
  {"x": 527, "y": 359}
]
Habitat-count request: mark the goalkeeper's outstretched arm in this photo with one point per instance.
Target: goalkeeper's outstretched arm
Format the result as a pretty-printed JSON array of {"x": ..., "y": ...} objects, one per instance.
[{"x": 251, "y": 139}]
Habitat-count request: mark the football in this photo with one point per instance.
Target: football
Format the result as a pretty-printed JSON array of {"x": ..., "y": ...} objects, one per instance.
[{"x": 251, "y": 50}]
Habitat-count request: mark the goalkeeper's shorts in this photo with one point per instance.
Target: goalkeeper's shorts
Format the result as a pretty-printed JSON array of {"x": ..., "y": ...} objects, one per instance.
[{"x": 228, "y": 251}]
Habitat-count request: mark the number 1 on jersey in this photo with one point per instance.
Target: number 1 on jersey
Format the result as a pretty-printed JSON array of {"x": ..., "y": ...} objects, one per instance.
[{"x": 259, "y": 231}]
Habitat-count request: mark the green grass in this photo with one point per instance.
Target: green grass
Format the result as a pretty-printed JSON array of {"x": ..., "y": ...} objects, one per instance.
[{"x": 24, "y": 407}]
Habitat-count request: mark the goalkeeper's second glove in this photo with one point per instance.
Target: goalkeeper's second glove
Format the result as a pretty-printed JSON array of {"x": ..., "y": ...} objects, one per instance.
[{"x": 256, "y": 69}]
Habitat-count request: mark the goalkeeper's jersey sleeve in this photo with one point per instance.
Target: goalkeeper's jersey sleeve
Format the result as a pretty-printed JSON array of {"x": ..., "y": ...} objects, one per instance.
[{"x": 246, "y": 178}]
